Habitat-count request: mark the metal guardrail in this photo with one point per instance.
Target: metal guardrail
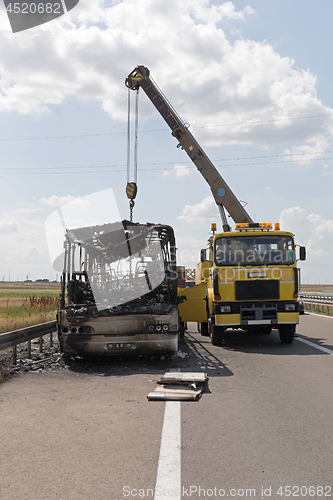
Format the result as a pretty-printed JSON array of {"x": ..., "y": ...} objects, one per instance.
[
  {"x": 317, "y": 298},
  {"x": 12, "y": 339}
]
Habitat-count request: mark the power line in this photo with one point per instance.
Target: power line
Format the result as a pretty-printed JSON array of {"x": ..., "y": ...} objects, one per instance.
[
  {"x": 83, "y": 169},
  {"x": 4, "y": 169},
  {"x": 247, "y": 122}
]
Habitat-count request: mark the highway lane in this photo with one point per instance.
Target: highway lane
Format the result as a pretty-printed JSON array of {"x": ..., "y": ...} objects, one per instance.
[
  {"x": 81, "y": 433},
  {"x": 269, "y": 423},
  {"x": 88, "y": 431},
  {"x": 317, "y": 329}
]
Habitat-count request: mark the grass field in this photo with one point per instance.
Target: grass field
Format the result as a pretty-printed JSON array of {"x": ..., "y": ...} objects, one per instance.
[
  {"x": 29, "y": 288},
  {"x": 317, "y": 288},
  {"x": 23, "y": 304}
]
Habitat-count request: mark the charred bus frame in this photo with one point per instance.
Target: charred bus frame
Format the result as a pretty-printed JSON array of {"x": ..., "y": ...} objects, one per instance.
[{"x": 119, "y": 290}]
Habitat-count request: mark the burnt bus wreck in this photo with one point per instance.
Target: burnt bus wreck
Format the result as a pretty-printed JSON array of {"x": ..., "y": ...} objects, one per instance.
[{"x": 121, "y": 284}]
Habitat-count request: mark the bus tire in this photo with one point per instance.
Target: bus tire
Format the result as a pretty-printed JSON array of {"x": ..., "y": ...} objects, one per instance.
[{"x": 182, "y": 328}]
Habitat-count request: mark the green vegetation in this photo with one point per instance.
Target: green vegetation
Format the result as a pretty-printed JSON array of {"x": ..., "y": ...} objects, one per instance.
[{"x": 16, "y": 317}]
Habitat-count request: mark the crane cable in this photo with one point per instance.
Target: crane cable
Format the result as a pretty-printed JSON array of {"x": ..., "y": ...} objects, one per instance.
[{"x": 131, "y": 187}]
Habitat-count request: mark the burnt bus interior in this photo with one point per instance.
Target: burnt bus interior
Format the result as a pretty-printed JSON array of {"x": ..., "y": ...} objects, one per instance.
[{"x": 119, "y": 268}]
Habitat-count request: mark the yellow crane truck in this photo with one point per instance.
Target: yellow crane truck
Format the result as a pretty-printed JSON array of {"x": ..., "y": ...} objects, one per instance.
[
  {"x": 251, "y": 282},
  {"x": 248, "y": 277}
]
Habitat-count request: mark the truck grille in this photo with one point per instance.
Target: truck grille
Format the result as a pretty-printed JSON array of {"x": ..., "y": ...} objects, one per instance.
[{"x": 257, "y": 290}]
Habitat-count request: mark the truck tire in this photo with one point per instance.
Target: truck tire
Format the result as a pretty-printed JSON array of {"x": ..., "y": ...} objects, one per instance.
[
  {"x": 287, "y": 333},
  {"x": 204, "y": 329},
  {"x": 215, "y": 333}
]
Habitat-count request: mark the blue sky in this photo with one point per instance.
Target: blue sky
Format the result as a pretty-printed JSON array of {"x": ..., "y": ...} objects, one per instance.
[{"x": 253, "y": 79}]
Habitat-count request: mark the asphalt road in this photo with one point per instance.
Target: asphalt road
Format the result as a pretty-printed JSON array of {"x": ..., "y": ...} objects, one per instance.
[{"x": 263, "y": 428}]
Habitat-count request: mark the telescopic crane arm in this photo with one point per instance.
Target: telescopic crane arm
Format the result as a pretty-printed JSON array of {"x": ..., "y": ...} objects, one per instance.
[{"x": 223, "y": 196}]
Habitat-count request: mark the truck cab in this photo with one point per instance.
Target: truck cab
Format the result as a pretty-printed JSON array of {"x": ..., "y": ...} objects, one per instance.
[{"x": 253, "y": 281}]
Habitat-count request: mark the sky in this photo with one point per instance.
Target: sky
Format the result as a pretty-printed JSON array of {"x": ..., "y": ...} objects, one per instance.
[{"x": 252, "y": 79}]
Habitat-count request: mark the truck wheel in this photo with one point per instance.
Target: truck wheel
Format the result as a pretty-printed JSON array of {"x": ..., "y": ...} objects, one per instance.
[
  {"x": 216, "y": 333},
  {"x": 204, "y": 329},
  {"x": 216, "y": 336},
  {"x": 287, "y": 333}
]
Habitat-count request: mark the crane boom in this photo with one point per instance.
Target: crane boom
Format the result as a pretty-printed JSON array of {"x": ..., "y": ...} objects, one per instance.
[{"x": 223, "y": 196}]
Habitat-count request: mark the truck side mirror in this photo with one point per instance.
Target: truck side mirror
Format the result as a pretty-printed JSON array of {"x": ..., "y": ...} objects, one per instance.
[
  {"x": 203, "y": 256},
  {"x": 302, "y": 253}
]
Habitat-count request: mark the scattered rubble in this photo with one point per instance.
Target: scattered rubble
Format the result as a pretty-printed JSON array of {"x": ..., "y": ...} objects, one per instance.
[
  {"x": 51, "y": 360},
  {"x": 180, "y": 354}
]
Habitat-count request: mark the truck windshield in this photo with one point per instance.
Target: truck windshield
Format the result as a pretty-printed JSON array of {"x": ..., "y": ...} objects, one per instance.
[{"x": 254, "y": 250}]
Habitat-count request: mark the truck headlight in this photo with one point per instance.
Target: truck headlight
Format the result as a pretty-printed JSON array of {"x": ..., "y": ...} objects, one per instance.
[
  {"x": 225, "y": 309},
  {"x": 289, "y": 307}
]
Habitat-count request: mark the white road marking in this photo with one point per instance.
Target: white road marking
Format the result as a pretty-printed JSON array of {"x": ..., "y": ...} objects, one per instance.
[
  {"x": 320, "y": 315},
  {"x": 168, "y": 482},
  {"x": 316, "y": 346}
]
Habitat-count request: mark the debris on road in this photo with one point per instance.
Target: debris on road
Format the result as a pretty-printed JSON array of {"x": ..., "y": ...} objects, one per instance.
[{"x": 176, "y": 386}]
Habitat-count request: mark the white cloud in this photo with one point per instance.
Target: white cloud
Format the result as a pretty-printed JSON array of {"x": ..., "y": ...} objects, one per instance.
[
  {"x": 22, "y": 211},
  {"x": 188, "y": 254},
  {"x": 201, "y": 212},
  {"x": 218, "y": 12},
  {"x": 316, "y": 233},
  {"x": 327, "y": 170},
  {"x": 7, "y": 227},
  {"x": 307, "y": 152},
  {"x": 232, "y": 87},
  {"x": 179, "y": 170},
  {"x": 58, "y": 201},
  {"x": 33, "y": 255}
]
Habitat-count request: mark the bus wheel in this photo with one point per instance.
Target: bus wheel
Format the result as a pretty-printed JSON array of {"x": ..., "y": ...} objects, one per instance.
[
  {"x": 182, "y": 328},
  {"x": 204, "y": 329},
  {"x": 287, "y": 333},
  {"x": 66, "y": 358}
]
